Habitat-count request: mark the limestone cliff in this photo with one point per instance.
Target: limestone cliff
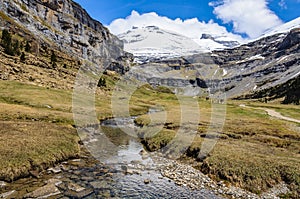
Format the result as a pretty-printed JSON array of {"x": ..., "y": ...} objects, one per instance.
[
  {"x": 63, "y": 24},
  {"x": 244, "y": 70}
]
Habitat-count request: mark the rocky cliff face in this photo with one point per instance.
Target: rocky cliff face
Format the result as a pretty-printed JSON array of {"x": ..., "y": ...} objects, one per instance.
[
  {"x": 249, "y": 68},
  {"x": 64, "y": 24}
]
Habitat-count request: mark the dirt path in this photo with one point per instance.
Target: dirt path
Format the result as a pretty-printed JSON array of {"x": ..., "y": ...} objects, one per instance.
[
  {"x": 274, "y": 113},
  {"x": 278, "y": 115}
]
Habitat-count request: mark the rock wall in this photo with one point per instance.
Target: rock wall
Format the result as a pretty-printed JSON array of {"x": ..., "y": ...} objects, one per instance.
[
  {"x": 249, "y": 68},
  {"x": 66, "y": 25}
]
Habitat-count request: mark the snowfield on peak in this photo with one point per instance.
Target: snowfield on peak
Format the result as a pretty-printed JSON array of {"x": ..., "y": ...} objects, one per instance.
[
  {"x": 150, "y": 43},
  {"x": 286, "y": 27}
]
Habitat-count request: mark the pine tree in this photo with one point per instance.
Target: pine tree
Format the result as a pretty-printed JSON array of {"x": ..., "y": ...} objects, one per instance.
[
  {"x": 293, "y": 93},
  {"x": 6, "y": 42},
  {"x": 22, "y": 57},
  {"x": 16, "y": 47},
  {"x": 53, "y": 59},
  {"x": 27, "y": 47}
]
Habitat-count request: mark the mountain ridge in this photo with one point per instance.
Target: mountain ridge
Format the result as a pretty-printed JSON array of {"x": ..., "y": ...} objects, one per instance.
[{"x": 150, "y": 43}]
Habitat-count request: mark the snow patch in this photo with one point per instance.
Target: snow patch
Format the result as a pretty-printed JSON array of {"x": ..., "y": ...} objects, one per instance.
[
  {"x": 256, "y": 57},
  {"x": 225, "y": 72}
]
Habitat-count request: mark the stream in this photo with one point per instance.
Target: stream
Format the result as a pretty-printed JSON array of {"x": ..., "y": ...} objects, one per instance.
[{"x": 127, "y": 172}]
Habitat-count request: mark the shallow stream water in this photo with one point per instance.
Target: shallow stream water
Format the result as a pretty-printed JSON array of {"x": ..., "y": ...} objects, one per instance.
[{"x": 124, "y": 173}]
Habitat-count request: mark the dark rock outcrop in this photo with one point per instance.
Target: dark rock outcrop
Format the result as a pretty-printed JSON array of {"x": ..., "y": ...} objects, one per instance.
[{"x": 65, "y": 25}]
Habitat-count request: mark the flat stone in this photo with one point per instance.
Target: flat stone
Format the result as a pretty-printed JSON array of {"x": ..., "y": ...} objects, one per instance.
[
  {"x": 8, "y": 194},
  {"x": 143, "y": 152},
  {"x": 81, "y": 194},
  {"x": 147, "y": 181},
  {"x": 44, "y": 192},
  {"x": 129, "y": 172},
  {"x": 55, "y": 170},
  {"x": 104, "y": 170},
  {"x": 124, "y": 168},
  {"x": 137, "y": 172},
  {"x": 48, "y": 106},
  {"x": 109, "y": 174},
  {"x": 99, "y": 185},
  {"x": 56, "y": 182},
  {"x": 35, "y": 173},
  {"x": 75, "y": 187},
  {"x": 76, "y": 160}
]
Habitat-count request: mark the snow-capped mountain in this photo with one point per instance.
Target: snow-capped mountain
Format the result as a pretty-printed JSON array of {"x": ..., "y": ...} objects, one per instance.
[
  {"x": 286, "y": 27},
  {"x": 151, "y": 43}
]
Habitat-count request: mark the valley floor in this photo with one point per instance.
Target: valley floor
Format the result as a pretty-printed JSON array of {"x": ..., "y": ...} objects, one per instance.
[{"x": 254, "y": 151}]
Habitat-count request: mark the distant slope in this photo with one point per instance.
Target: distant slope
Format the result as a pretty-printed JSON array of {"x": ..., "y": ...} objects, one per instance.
[{"x": 289, "y": 90}]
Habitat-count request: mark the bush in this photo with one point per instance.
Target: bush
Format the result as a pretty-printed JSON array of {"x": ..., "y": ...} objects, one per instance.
[{"x": 101, "y": 82}]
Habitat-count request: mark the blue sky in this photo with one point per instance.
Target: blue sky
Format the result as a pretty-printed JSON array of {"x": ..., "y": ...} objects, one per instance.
[{"x": 284, "y": 10}]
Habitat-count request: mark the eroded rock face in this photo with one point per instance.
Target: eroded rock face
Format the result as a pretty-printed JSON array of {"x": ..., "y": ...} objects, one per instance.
[
  {"x": 65, "y": 24},
  {"x": 249, "y": 68}
]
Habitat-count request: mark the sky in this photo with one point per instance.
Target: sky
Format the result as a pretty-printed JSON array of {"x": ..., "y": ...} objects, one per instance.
[{"x": 236, "y": 18}]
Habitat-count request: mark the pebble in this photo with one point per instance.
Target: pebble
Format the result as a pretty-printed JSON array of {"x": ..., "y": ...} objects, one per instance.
[
  {"x": 2, "y": 184},
  {"x": 124, "y": 168},
  {"x": 186, "y": 175},
  {"x": 109, "y": 174},
  {"x": 129, "y": 172},
  {"x": 77, "y": 182}
]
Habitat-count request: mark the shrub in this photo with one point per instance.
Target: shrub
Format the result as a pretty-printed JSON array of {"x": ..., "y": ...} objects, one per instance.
[{"x": 101, "y": 82}]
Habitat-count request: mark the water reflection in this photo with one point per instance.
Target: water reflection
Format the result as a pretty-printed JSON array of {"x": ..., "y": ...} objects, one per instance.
[{"x": 134, "y": 168}]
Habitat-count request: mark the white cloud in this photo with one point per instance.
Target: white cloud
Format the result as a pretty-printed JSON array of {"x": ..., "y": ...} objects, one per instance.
[
  {"x": 282, "y": 4},
  {"x": 191, "y": 28},
  {"x": 250, "y": 17}
]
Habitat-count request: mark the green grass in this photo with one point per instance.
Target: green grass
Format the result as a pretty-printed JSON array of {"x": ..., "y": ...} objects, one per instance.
[
  {"x": 29, "y": 146},
  {"x": 36, "y": 129},
  {"x": 12, "y": 92},
  {"x": 254, "y": 151}
]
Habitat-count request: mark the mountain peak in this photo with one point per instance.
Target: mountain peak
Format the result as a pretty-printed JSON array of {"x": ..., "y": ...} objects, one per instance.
[
  {"x": 151, "y": 42},
  {"x": 283, "y": 28}
]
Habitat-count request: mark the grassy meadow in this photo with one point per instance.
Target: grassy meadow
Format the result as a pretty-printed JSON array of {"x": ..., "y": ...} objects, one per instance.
[{"x": 254, "y": 151}]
